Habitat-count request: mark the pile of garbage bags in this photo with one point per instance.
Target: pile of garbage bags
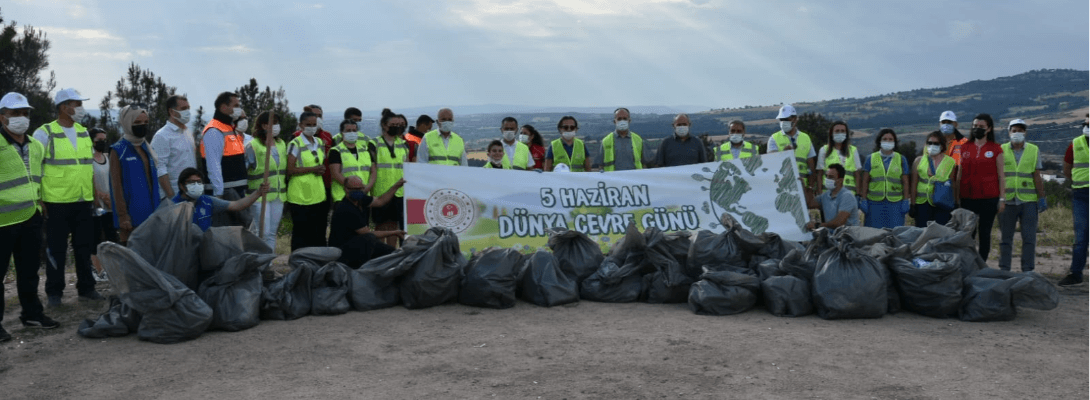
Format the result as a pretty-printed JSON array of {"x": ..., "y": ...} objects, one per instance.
[{"x": 175, "y": 282}]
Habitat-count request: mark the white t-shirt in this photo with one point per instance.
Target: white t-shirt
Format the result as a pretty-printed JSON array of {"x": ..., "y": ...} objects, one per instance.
[{"x": 102, "y": 179}]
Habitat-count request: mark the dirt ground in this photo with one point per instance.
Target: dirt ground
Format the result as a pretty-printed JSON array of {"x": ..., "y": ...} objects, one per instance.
[{"x": 584, "y": 350}]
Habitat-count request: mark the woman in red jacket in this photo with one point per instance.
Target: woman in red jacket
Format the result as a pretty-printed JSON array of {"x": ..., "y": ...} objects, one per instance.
[
  {"x": 532, "y": 138},
  {"x": 982, "y": 180}
]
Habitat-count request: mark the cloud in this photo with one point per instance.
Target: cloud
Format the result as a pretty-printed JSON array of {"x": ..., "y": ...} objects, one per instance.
[
  {"x": 961, "y": 30},
  {"x": 95, "y": 36},
  {"x": 238, "y": 48}
]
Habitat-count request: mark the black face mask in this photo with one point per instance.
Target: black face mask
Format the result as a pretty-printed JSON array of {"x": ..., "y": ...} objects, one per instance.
[
  {"x": 100, "y": 146},
  {"x": 140, "y": 130},
  {"x": 396, "y": 130},
  {"x": 979, "y": 133}
]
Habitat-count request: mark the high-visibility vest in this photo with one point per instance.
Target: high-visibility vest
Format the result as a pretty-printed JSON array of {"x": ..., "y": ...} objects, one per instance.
[
  {"x": 607, "y": 151},
  {"x": 233, "y": 160},
  {"x": 885, "y": 184},
  {"x": 389, "y": 166},
  {"x": 19, "y": 188},
  {"x": 832, "y": 156},
  {"x": 522, "y": 157},
  {"x": 232, "y": 142},
  {"x": 307, "y": 189},
  {"x": 358, "y": 164},
  {"x": 575, "y": 161},
  {"x": 278, "y": 173},
  {"x": 954, "y": 149},
  {"x": 925, "y": 184},
  {"x": 1020, "y": 174},
  {"x": 504, "y": 163},
  {"x": 802, "y": 148},
  {"x": 361, "y": 141},
  {"x": 725, "y": 154},
  {"x": 67, "y": 174},
  {"x": 139, "y": 186},
  {"x": 449, "y": 155},
  {"x": 1080, "y": 164}
]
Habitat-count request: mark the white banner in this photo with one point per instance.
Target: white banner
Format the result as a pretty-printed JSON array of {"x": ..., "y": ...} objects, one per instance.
[{"x": 506, "y": 208}]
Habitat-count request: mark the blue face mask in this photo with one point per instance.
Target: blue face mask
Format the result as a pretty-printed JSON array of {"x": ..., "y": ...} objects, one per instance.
[
  {"x": 946, "y": 129},
  {"x": 356, "y": 195}
]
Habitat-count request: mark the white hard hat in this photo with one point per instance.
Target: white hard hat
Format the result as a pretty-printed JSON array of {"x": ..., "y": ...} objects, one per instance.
[
  {"x": 787, "y": 111},
  {"x": 64, "y": 95},
  {"x": 948, "y": 116},
  {"x": 14, "y": 101}
]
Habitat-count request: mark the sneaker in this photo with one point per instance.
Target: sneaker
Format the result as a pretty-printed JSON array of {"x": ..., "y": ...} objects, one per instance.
[
  {"x": 42, "y": 322},
  {"x": 4, "y": 335},
  {"x": 1071, "y": 280},
  {"x": 54, "y": 301},
  {"x": 92, "y": 295}
]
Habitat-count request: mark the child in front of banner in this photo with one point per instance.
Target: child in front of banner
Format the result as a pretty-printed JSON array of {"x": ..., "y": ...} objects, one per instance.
[{"x": 496, "y": 159}]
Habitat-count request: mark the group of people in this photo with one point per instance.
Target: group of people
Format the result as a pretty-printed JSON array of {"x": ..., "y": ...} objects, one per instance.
[{"x": 71, "y": 181}]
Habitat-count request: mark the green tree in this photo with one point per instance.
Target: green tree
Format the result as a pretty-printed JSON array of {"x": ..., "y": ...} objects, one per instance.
[
  {"x": 255, "y": 101},
  {"x": 140, "y": 87},
  {"x": 817, "y": 126},
  {"x": 23, "y": 59},
  {"x": 199, "y": 123}
]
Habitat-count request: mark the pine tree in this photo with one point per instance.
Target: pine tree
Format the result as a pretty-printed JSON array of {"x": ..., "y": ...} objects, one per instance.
[{"x": 23, "y": 59}]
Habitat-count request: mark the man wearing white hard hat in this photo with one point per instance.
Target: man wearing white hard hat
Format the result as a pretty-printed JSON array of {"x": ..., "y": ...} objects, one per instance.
[
  {"x": 789, "y": 137},
  {"x": 20, "y": 209},
  {"x": 948, "y": 126},
  {"x": 1025, "y": 196},
  {"x": 67, "y": 191}
]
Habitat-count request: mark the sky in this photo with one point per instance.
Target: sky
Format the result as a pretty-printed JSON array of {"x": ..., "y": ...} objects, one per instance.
[{"x": 696, "y": 54}]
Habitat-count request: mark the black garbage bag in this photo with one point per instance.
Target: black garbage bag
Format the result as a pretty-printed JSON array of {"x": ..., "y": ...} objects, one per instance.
[
  {"x": 169, "y": 241},
  {"x": 848, "y": 284},
  {"x": 776, "y": 247},
  {"x": 543, "y": 282},
  {"x": 170, "y": 311},
  {"x": 329, "y": 290},
  {"x": 234, "y": 292},
  {"x": 118, "y": 320},
  {"x": 576, "y": 252},
  {"x": 908, "y": 234},
  {"x": 289, "y": 296},
  {"x": 613, "y": 283},
  {"x": 658, "y": 292},
  {"x": 818, "y": 245},
  {"x": 436, "y": 275},
  {"x": 932, "y": 288},
  {"x": 220, "y": 244},
  {"x": 1031, "y": 291},
  {"x": 987, "y": 299},
  {"x": 666, "y": 254},
  {"x": 724, "y": 293},
  {"x": 714, "y": 249},
  {"x": 374, "y": 285},
  {"x": 796, "y": 264},
  {"x": 491, "y": 279},
  {"x": 787, "y": 296},
  {"x": 769, "y": 268},
  {"x": 960, "y": 243}
]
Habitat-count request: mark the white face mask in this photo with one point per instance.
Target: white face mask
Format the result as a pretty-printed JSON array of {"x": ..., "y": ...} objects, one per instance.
[
  {"x": 446, "y": 126},
  {"x": 840, "y": 137},
  {"x": 321, "y": 123},
  {"x": 622, "y": 126},
  {"x": 194, "y": 189},
  {"x": 1018, "y": 137},
  {"x": 933, "y": 149},
  {"x": 496, "y": 160},
  {"x": 887, "y": 146},
  {"x": 351, "y": 137},
  {"x": 785, "y": 126},
  {"x": 736, "y": 137},
  {"x": 681, "y": 131},
  {"x": 18, "y": 125},
  {"x": 237, "y": 112},
  {"x": 276, "y": 130},
  {"x": 310, "y": 130},
  {"x": 242, "y": 126},
  {"x": 78, "y": 114},
  {"x": 509, "y": 135},
  {"x": 183, "y": 116},
  {"x": 1086, "y": 130},
  {"x": 830, "y": 183},
  {"x": 525, "y": 139},
  {"x": 567, "y": 135}
]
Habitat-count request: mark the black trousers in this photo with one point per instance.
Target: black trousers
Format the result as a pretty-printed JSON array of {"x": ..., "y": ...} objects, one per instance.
[
  {"x": 363, "y": 248},
  {"x": 986, "y": 209},
  {"x": 308, "y": 225},
  {"x": 64, "y": 219},
  {"x": 23, "y": 241}
]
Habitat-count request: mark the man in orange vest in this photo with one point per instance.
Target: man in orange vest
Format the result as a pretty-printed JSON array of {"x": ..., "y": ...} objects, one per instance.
[
  {"x": 948, "y": 126},
  {"x": 223, "y": 150}
]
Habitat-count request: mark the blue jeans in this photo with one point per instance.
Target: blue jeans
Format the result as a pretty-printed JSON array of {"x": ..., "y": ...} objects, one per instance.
[
  {"x": 1079, "y": 212},
  {"x": 1027, "y": 213}
]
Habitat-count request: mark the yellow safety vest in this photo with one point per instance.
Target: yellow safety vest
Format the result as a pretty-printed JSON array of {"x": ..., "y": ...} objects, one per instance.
[
  {"x": 361, "y": 141},
  {"x": 748, "y": 150},
  {"x": 578, "y": 155},
  {"x": 832, "y": 156},
  {"x": 522, "y": 156},
  {"x": 503, "y": 163},
  {"x": 67, "y": 175},
  {"x": 307, "y": 189},
  {"x": 1020, "y": 175},
  {"x": 885, "y": 184},
  {"x": 607, "y": 151},
  {"x": 802, "y": 148},
  {"x": 450, "y": 155},
  {"x": 352, "y": 165},
  {"x": 925, "y": 182},
  {"x": 278, "y": 187},
  {"x": 19, "y": 188},
  {"x": 1080, "y": 164},
  {"x": 389, "y": 167}
]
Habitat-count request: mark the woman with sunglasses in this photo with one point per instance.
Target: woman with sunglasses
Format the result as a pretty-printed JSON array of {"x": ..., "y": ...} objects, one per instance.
[{"x": 933, "y": 168}]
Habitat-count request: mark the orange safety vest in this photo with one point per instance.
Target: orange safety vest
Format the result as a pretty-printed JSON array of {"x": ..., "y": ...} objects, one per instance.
[
  {"x": 232, "y": 142},
  {"x": 954, "y": 149}
]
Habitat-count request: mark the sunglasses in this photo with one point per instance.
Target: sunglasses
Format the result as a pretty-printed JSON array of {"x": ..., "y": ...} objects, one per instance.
[
  {"x": 935, "y": 143},
  {"x": 568, "y": 127}
]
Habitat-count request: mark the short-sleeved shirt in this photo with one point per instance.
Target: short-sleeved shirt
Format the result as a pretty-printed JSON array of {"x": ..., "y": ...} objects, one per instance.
[
  {"x": 674, "y": 151},
  {"x": 347, "y": 219},
  {"x": 844, "y": 201},
  {"x": 772, "y": 147},
  {"x": 335, "y": 154}
]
